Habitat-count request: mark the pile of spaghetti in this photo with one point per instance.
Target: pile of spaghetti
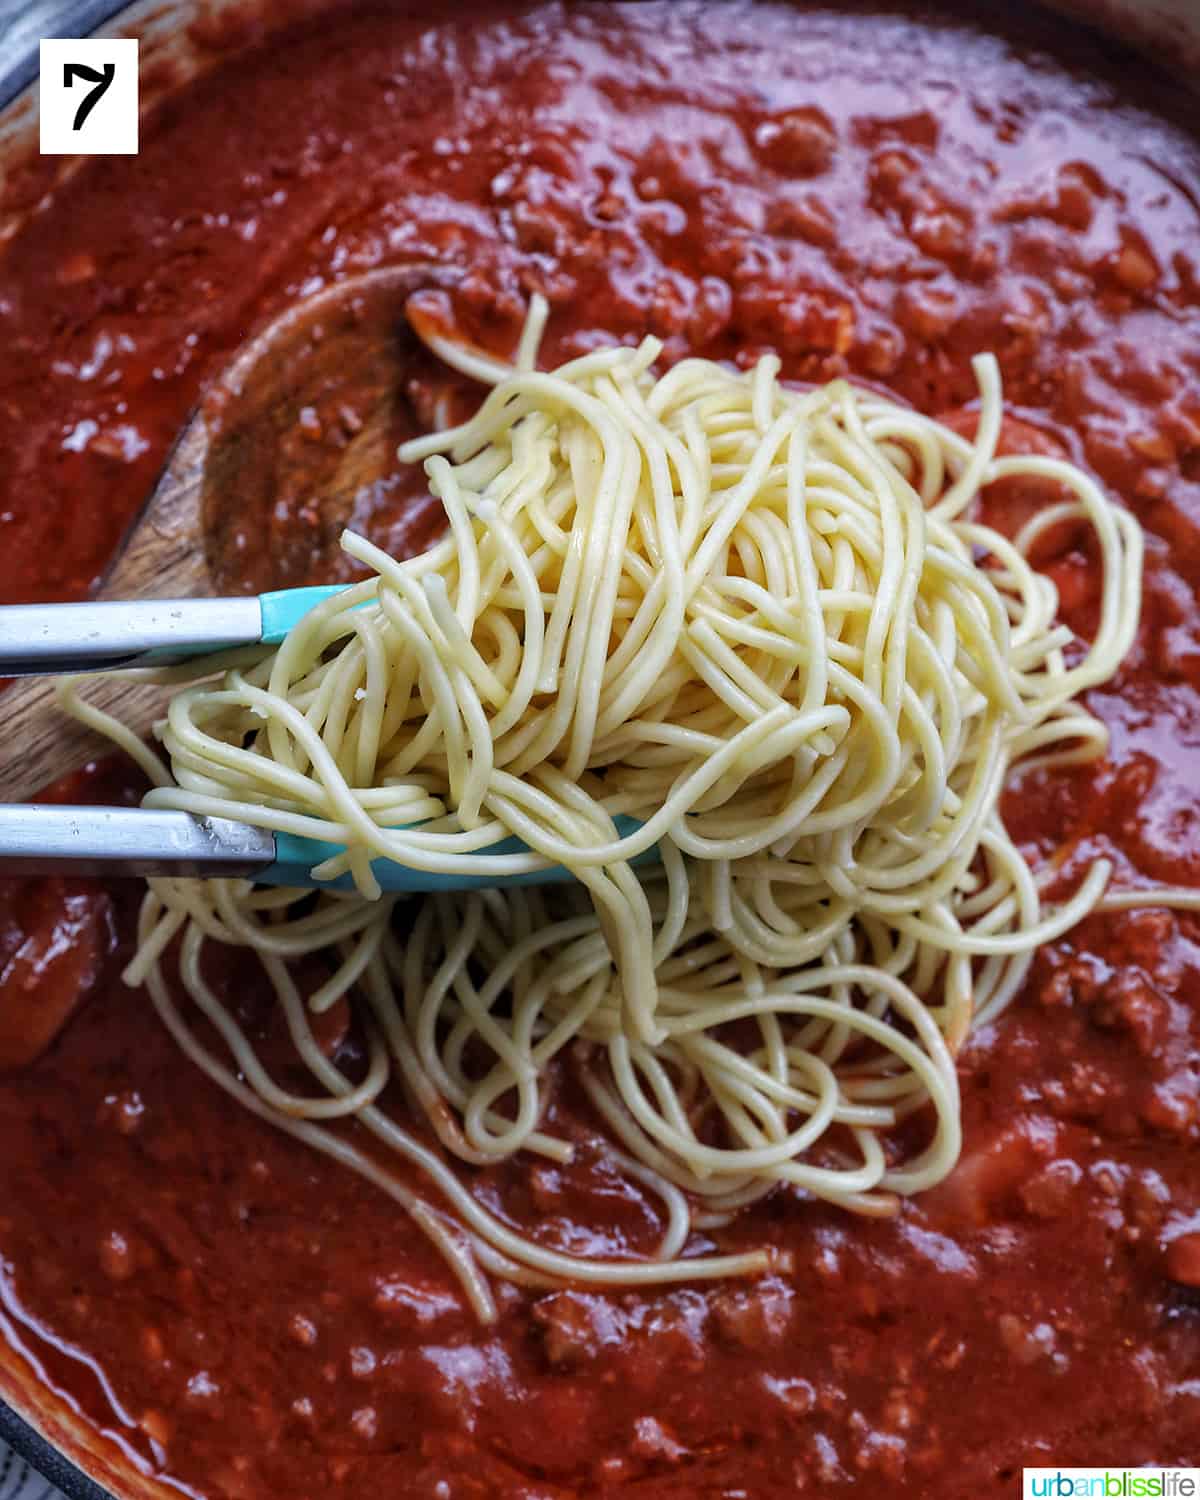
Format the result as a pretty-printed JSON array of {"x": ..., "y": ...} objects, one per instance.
[{"x": 760, "y": 634}]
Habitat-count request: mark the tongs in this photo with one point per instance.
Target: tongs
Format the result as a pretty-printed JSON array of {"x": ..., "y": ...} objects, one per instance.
[{"x": 50, "y": 838}]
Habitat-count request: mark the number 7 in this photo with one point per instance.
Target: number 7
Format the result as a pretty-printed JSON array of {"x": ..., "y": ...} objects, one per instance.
[{"x": 72, "y": 71}]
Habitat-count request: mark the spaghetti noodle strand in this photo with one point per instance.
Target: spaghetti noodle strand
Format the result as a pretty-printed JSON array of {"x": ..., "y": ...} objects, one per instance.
[{"x": 769, "y": 627}]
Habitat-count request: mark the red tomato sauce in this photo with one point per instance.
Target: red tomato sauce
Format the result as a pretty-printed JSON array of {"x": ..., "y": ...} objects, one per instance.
[{"x": 868, "y": 192}]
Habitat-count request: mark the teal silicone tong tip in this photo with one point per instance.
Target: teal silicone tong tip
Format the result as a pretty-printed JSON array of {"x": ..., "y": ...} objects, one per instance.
[
  {"x": 295, "y": 859},
  {"x": 285, "y": 608}
]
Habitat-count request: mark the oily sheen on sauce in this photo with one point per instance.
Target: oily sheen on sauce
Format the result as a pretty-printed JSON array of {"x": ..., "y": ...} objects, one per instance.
[{"x": 733, "y": 179}]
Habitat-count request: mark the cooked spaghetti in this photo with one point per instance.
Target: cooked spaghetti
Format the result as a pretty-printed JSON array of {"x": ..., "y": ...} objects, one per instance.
[{"x": 769, "y": 627}]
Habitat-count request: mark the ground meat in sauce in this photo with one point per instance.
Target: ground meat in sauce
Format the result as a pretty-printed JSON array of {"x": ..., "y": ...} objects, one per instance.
[{"x": 864, "y": 193}]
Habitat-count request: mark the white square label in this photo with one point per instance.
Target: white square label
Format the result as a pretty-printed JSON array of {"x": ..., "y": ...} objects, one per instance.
[{"x": 89, "y": 97}]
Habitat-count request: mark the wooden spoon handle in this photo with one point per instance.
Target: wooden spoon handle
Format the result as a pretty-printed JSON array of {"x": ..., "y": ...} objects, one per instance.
[
  {"x": 346, "y": 332},
  {"x": 163, "y": 557},
  {"x": 40, "y": 742}
]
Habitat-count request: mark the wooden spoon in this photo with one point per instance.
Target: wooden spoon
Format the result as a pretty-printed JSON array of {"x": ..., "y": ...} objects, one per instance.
[{"x": 287, "y": 445}]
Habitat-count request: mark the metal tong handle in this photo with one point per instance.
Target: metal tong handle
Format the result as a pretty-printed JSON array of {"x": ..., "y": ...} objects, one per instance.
[
  {"x": 56, "y": 839},
  {"x": 36, "y": 639},
  {"x": 52, "y": 839}
]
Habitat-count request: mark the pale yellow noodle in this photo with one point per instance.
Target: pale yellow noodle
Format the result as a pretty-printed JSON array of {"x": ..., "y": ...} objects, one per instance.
[{"x": 770, "y": 628}]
